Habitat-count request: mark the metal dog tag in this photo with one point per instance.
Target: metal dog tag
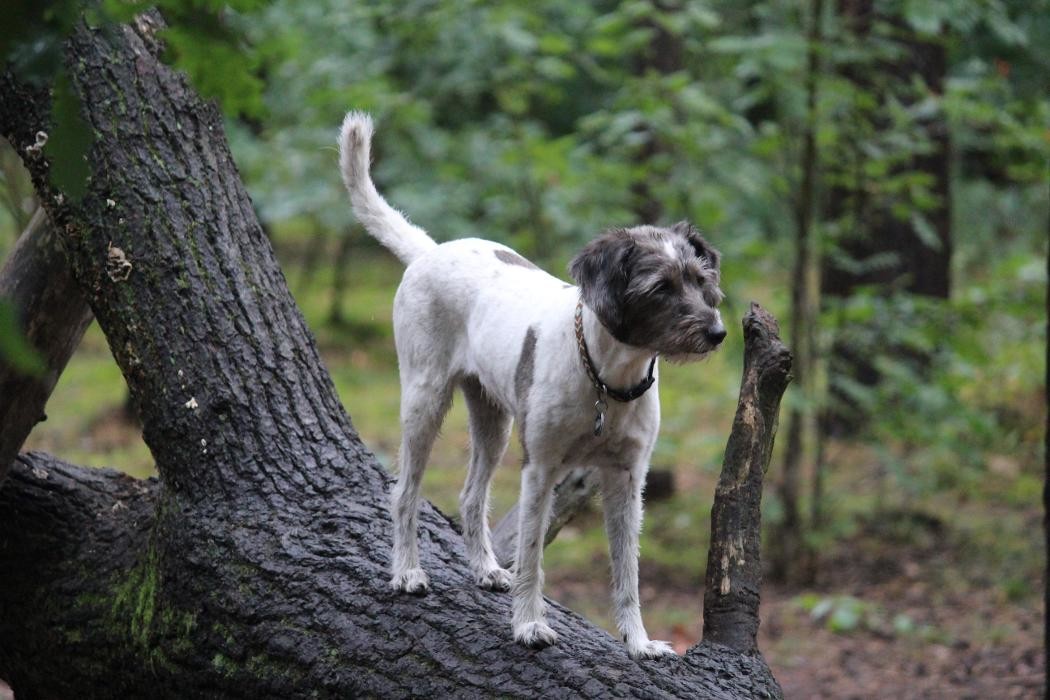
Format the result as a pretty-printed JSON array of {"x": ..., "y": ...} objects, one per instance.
[{"x": 599, "y": 420}]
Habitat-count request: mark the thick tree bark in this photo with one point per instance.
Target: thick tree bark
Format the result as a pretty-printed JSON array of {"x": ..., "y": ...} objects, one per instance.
[
  {"x": 734, "y": 571},
  {"x": 256, "y": 565},
  {"x": 53, "y": 315}
]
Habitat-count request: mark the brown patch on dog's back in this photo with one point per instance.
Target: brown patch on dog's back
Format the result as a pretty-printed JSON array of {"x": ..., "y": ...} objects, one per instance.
[{"x": 511, "y": 258}]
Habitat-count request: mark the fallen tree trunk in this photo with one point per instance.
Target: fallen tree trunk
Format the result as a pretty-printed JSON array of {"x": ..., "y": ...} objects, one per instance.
[{"x": 255, "y": 565}]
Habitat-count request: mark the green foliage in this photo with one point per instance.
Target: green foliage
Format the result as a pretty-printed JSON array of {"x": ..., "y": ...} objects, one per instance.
[
  {"x": 200, "y": 40},
  {"x": 846, "y": 614},
  {"x": 14, "y": 349},
  {"x": 522, "y": 123},
  {"x": 935, "y": 422}
]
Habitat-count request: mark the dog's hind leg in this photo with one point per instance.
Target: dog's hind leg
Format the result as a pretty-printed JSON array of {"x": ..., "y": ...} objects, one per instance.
[
  {"x": 489, "y": 433},
  {"x": 622, "y": 501},
  {"x": 537, "y": 490},
  {"x": 423, "y": 407}
]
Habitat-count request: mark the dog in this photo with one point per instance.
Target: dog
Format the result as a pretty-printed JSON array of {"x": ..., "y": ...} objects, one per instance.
[{"x": 575, "y": 366}]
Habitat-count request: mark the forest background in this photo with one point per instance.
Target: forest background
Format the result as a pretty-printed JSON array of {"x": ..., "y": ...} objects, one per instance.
[{"x": 873, "y": 171}]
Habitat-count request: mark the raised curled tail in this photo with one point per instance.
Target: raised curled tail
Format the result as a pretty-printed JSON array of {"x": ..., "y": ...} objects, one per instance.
[{"x": 383, "y": 222}]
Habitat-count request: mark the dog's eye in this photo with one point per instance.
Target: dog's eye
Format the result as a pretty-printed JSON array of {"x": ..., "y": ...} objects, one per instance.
[{"x": 663, "y": 287}]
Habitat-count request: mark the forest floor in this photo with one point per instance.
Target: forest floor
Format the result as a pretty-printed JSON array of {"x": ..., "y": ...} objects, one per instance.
[{"x": 880, "y": 621}]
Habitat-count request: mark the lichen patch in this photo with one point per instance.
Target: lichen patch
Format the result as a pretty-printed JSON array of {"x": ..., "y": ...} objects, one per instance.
[{"x": 41, "y": 141}]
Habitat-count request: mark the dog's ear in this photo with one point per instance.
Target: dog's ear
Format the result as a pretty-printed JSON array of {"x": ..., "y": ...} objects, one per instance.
[
  {"x": 703, "y": 249},
  {"x": 602, "y": 271}
]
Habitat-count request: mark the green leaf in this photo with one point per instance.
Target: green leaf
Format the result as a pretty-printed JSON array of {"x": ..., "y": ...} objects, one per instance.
[
  {"x": 844, "y": 619},
  {"x": 925, "y": 231},
  {"x": 924, "y": 16}
]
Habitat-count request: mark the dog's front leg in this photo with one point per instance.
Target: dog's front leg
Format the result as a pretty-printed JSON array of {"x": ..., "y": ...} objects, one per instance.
[
  {"x": 622, "y": 499},
  {"x": 530, "y": 627}
]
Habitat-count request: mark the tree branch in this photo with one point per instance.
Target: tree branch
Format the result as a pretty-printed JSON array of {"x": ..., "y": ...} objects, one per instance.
[
  {"x": 53, "y": 315},
  {"x": 734, "y": 568}
]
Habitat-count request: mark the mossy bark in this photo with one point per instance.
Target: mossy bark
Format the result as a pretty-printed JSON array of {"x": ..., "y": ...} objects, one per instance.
[{"x": 256, "y": 564}]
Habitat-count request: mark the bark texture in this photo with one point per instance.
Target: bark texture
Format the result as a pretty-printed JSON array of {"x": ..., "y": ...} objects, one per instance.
[
  {"x": 734, "y": 571},
  {"x": 53, "y": 315},
  {"x": 256, "y": 565}
]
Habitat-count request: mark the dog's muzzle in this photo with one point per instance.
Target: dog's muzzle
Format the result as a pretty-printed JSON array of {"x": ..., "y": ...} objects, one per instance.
[{"x": 715, "y": 334}]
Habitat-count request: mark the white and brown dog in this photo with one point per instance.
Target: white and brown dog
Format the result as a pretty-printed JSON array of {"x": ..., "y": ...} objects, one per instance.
[{"x": 571, "y": 364}]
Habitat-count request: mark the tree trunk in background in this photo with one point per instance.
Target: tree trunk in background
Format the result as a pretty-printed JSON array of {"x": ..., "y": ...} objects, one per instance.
[
  {"x": 256, "y": 565},
  {"x": 340, "y": 277},
  {"x": 789, "y": 556},
  {"x": 883, "y": 250},
  {"x": 663, "y": 55},
  {"x": 53, "y": 314},
  {"x": 316, "y": 247},
  {"x": 16, "y": 191},
  {"x": 1046, "y": 459}
]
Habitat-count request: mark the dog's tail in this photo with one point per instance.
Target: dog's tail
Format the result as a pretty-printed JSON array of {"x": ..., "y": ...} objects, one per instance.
[{"x": 383, "y": 222}]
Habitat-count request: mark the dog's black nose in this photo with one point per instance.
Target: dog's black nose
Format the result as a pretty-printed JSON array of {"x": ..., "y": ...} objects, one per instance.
[{"x": 716, "y": 334}]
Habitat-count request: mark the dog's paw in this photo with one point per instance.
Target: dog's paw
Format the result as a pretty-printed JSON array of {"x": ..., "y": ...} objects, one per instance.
[
  {"x": 495, "y": 580},
  {"x": 650, "y": 649},
  {"x": 535, "y": 635},
  {"x": 414, "y": 581}
]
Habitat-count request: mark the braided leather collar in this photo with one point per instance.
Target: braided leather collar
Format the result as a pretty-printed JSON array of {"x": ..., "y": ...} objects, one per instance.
[{"x": 621, "y": 395}]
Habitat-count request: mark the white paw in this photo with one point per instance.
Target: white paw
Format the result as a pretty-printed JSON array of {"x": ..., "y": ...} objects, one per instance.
[
  {"x": 412, "y": 581},
  {"x": 650, "y": 649},
  {"x": 535, "y": 635},
  {"x": 495, "y": 580}
]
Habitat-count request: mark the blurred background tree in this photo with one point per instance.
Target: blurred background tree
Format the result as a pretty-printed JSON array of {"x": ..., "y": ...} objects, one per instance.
[{"x": 874, "y": 171}]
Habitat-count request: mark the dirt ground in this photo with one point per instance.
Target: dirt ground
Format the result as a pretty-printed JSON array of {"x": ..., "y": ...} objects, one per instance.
[
  {"x": 974, "y": 646},
  {"x": 810, "y": 661},
  {"x": 882, "y": 619}
]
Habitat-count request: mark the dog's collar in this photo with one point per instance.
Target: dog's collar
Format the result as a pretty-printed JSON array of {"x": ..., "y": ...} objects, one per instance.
[{"x": 621, "y": 395}]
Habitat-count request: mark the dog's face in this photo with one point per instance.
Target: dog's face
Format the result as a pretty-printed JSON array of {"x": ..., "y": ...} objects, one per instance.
[{"x": 654, "y": 288}]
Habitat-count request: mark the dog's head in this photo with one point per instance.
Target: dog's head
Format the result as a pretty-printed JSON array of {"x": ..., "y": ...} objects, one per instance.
[{"x": 655, "y": 288}]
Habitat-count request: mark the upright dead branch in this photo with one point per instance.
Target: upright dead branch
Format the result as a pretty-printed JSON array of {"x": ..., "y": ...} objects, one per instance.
[{"x": 734, "y": 568}]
